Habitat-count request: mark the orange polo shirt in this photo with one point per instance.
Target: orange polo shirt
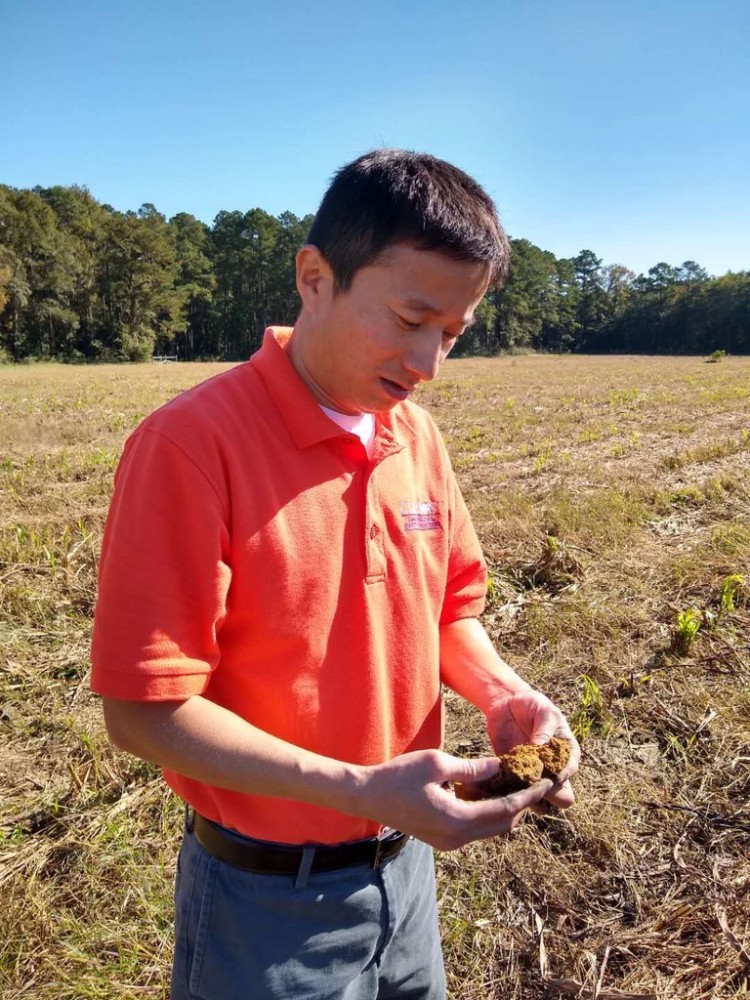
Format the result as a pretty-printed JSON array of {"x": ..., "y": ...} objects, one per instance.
[{"x": 254, "y": 555}]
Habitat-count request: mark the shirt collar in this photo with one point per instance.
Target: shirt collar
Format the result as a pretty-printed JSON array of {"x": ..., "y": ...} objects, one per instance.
[{"x": 296, "y": 405}]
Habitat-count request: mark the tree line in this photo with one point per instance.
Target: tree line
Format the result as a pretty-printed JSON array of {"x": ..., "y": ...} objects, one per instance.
[{"x": 80, "y": 281}]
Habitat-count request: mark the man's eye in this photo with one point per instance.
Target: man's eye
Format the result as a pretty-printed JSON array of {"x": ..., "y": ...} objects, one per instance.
[{"x": 409, "y": 324}]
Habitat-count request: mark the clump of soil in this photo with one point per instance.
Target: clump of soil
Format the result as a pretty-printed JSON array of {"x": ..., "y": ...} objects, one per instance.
[
  {"x": 520, "y": 767},
  {"x": 555, "y": 756}
]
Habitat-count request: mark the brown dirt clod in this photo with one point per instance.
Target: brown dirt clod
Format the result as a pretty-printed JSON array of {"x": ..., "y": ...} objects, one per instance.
[{"x": 522, "y": 766}]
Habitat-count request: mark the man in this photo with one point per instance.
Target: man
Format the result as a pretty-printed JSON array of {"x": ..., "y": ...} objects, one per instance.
[{"x": 288, "y": 575}]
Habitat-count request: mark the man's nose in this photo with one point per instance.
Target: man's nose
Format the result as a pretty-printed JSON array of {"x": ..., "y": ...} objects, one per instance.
[{"x": 426, "y": 356}]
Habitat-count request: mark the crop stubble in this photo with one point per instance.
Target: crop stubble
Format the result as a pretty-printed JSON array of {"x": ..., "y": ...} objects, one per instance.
[{"x": 611, "y": 494}]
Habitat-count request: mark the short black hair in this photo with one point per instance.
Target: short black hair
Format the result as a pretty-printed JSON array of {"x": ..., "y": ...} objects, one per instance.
[{"x": 391, "y": 196}]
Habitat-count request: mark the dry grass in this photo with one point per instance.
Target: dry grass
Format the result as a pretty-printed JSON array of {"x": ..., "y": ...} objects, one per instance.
[{"x": 613, "y": 500}]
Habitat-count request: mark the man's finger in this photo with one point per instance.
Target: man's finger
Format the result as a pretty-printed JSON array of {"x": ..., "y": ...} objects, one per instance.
[
  {"x": 542, "y": 808},
  {"x": 561, "y": 796},
  {"x": 516, "y": 821},
  {"x": 470, "y": 769},
  {"x": 516, "y": 802}
]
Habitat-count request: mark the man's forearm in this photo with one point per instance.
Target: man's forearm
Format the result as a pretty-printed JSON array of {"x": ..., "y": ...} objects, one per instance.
[
  {"x": 409, "y": 793},
  {"x": 209, "y": 743},
  {"x": 470, "y": 665}
]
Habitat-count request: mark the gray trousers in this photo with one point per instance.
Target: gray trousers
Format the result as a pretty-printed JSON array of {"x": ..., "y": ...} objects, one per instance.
[{"x": 355, "y": 934}]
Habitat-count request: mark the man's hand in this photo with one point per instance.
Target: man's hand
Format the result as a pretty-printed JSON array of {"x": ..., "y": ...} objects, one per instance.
[
  {"x": 528, "y": 716},
  {"x": 409, "y": 794}
]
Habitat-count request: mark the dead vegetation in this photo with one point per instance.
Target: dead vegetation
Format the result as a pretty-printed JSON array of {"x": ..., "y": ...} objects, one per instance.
[{"x": 613, "y": 500}]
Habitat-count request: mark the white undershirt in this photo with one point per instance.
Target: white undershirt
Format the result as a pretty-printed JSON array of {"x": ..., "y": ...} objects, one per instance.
[{"x": 361, "y": 424}]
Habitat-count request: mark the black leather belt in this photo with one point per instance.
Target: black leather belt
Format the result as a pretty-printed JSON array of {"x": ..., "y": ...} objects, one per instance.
[{"x": 277, "y": 859}]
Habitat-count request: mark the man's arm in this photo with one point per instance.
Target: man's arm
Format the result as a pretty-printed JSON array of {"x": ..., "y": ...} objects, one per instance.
[
  {"x": 515, "y": 712},
  {"x": 470, "y": 665},
  {"x": 204, "y": 741}
]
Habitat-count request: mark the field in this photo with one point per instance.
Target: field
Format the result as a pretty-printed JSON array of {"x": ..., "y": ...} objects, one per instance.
[{"x": 612, "y": 497}]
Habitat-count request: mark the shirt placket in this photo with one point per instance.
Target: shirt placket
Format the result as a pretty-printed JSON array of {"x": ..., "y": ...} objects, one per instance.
[{"x": 375, "y": 533}]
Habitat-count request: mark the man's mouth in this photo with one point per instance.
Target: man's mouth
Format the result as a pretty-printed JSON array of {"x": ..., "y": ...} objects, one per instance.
[{"x": 396, "y": 390}]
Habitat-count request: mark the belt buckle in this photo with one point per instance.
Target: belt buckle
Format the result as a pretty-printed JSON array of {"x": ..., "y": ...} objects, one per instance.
[{"x": 385, "y": 834}]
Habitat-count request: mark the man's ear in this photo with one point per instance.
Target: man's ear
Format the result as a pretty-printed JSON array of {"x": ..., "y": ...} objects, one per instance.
[{"x": 314, "y": 278}]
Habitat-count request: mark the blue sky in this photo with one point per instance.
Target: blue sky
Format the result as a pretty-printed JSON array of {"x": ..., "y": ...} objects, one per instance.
[{"x": 623, "y": 127}]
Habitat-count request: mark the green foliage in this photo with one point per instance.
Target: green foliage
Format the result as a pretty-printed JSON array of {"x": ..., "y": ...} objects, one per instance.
[
  {"x": 79, "y": 280},
  {"x": 494, "y": 590},
  {"x": 731, "y": 589},
  {"x": 687, "y": 627},
  {"x": 590, "y": 717},
  {"x": 716, "y": 356}
]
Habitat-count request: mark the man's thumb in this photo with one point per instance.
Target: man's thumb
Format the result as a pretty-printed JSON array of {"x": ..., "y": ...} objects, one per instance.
[
  {"x": 473, "y": 768},
  {"x": 541, "y": 736}
]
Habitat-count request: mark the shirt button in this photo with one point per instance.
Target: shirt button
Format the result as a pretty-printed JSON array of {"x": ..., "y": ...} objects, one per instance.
[{"x": 374, "y": 531}]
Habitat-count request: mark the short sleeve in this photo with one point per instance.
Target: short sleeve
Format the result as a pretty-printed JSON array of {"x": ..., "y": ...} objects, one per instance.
[
  {"x": 163, "y": 576},
  {"x": 466, "y": 586}
]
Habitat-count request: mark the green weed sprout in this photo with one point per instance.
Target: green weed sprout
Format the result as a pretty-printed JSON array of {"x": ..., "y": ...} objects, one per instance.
[
  {"x": 688, "y": 624},
  {"x": 730, "y": 589},
  {"x": 590, "y": 716}
]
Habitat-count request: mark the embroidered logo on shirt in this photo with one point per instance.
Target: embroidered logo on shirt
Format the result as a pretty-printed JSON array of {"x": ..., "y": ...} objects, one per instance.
[{"x": 420, "y": 515}]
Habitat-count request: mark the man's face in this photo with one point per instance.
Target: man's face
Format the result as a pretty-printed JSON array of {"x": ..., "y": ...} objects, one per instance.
[{"x": 373, "y": 344}]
